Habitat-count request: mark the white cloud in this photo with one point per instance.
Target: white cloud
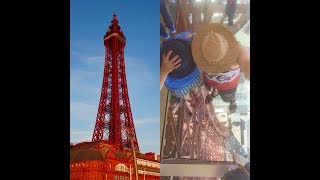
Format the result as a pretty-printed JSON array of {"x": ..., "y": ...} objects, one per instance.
[
  {"x": 136, "y": 69},
  {"x": 95, "y": 59},
  {"x": 86, "y": 83},
  {"x": 151, "y": 144},
  {"x": 77, "y": 136},
  {"x": 146, "y": 120},
  {"x": 76, "y": 53},
  {"x": 82, "y": 111}
]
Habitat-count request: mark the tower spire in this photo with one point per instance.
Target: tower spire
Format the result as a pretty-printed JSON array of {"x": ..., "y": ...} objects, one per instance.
[{"x": 114, "y": 26}]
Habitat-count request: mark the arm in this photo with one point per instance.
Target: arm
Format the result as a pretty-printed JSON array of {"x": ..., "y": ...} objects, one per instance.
[
  {"x": 241, "y": 160},
  {"x": 163, "y": 76},
  {"x": 244, "y": 61},
  {"x": 167, "y": 66},
  {"x": 186, "y": 36}
]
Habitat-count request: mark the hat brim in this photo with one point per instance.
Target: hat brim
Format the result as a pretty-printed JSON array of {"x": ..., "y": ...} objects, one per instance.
[{"x": 230, "y": 57}]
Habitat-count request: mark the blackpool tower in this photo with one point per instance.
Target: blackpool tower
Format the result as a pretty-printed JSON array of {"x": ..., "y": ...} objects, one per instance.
[
  {"x": 113, "y": 153},
  {"x": 114, "y": 122}
]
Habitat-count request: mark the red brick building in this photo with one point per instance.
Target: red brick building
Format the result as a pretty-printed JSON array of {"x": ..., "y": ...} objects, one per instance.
[{"x": 102, "y": 161}]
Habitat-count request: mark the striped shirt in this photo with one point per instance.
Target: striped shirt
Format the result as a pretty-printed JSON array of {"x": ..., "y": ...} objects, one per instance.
[{"x": 223, "y": 81}]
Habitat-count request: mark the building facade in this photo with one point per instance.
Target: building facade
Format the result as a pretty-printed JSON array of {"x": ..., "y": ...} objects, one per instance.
[{"x": 102, "y": 161}]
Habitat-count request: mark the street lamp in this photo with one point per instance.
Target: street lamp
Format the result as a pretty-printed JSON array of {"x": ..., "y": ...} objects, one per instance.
[
  {"x": 130, "y": 172},
  {"x": 133, "y": 152}
]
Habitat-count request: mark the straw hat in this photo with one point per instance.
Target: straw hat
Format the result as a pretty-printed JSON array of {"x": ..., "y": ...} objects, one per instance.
[{"x": 214, "y": 48}]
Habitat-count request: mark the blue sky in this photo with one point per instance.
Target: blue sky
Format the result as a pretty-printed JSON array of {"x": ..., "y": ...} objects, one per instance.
[{"x": 139, "y": 21}]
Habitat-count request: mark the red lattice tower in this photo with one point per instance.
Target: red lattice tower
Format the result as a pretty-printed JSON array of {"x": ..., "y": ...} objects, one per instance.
[{"x": 114, "y": 122}]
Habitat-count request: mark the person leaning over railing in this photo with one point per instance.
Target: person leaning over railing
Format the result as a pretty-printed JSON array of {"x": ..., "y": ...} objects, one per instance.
[{"x": 178, "y": 71}]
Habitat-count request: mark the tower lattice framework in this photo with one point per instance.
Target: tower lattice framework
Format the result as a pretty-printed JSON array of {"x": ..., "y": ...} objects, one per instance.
[{"x": 114, "y": 122}]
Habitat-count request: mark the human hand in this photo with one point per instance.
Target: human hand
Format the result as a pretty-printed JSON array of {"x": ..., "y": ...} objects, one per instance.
[
  {"x": 169, "y": 65},
  {"x": 240, "y": 159},
  {"x": 185, "y": 35},
  {"x": 189, "y": 35}
]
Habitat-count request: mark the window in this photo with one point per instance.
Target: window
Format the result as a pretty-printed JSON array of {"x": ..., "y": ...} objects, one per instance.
[{"x": 122, "y": 168}]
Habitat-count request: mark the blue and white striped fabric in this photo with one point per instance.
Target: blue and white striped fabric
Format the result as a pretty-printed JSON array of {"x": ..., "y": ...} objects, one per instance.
[{"x": 180, "y": 87}]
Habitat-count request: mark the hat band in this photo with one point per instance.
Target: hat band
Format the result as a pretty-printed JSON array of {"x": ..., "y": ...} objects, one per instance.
[
  {"x": 180, "y": 83},
  {"x": 181, "y": 93}
]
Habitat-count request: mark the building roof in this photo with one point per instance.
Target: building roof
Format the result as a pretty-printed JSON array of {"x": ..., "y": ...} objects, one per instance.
[
  {"x": 89, "y": 151},
  {"x": 97, "y": 151}
]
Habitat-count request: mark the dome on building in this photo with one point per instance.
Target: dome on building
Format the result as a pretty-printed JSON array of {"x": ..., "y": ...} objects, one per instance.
[{"x": 89, "y": 151}]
